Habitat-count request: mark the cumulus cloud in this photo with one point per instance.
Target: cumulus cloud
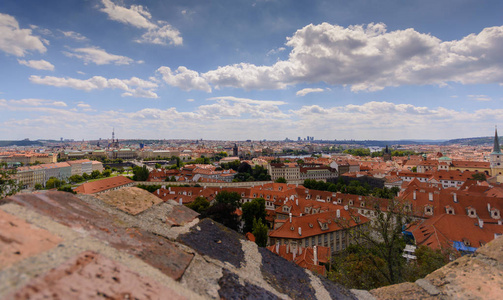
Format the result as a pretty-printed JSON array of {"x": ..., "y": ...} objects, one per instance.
[
  {"x": 306, "y": 91},
  {"x": 37, "y": 102},
  {"x": 17, "y": 41},
  {"x": 143, "y": 88},
  {"x": 237, "y": 107},
  {"x": 184, "y": 79},
  {"x": 37, "y": 64},
  {"x": 369, "y": 58},
  {"x": 238, "y": 118},
  {"x": 480, "y": 97},
  {"x": 98, "y": 56},
  {"x": 138, "y": 16},
  {"x": 74, "y": 35}
]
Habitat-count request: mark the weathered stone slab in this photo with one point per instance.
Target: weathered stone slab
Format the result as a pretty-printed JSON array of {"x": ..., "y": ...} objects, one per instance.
[
  {"x": 69, "y": 210},
  {"x": 180, "y": 215},
  {"x": 131, "y": 200},
  {"x": 216, "y": 241},
  {"x": 93, "y": 276},
  {"x": 232, "y": 288},
  {"x": 286, "y": 277},
  {"x": 20, "y": 240}
]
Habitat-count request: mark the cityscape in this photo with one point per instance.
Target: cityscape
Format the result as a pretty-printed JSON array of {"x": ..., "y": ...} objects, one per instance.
[{"x": 251, "y": 149}]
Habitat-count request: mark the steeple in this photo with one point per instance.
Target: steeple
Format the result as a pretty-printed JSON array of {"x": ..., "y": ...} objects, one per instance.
[{"x": 496, "y": 148}]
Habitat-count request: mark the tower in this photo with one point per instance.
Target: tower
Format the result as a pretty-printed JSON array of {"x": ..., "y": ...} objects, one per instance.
[
  {"x": 235, "y": 150},
  {"x": 113, "y": 134},
  {"x": 387, "y": 154},
  {"x": 496, "y": 157}
]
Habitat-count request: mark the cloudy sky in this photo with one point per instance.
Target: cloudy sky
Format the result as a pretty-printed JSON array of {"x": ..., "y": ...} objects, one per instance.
[{"x": 250, "y": 69}]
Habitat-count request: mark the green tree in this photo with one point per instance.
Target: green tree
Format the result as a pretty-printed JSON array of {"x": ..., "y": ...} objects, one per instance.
[
  {"x": 140, "y": 173},
  {"x": 66, "y": 189},
  {"x": 479, "y": 176},
  {"x": 75, "y": 178},
  {"x": 149, "y": 188},
  {"x": 95, "y": 174},
  {"x": 54, "y": 182},
  {"x": 107, "y": 173},
  {"x": 253, "y": 211},
  {"x": 382, "y": 237},
  {"x": 39, "y": 186},
  {"x": 8, "y": 184},
  {"x": 224, "y": 209},
  {"x": 200, "y": 205},
  {"x": 427, "y": 261},
  {"x": 280, "y": 180},
  {"x": 158, "y": 166},
  {"x": 260, "y": 232},
  {"x": 86, "y": 176}
]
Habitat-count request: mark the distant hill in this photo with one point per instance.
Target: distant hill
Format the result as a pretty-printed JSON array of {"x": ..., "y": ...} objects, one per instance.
[
  {"x": 476, "y": 141},
  {"x": 20, "y": 143}
]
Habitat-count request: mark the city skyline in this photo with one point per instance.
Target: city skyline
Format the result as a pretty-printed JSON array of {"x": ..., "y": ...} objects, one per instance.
[{"x": 237, "y": 70}]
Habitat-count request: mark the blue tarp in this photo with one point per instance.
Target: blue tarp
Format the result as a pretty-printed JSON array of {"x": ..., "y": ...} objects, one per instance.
[{"x": 460, "y": 246}]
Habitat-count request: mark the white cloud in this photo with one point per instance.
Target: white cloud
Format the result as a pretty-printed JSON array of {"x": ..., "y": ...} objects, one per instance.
[
  {"x": 37, "y": 102},
  {"x": 139, "y": 17},
  {"x": 480, "y": 97},
  {"x": 161, "y": 35},
  {"x": 16, "y": 41},
  {"x": 369, "y": 58},
  {"x": 74, "y": 35},
  {"x": 37, "y": 64},
  {"x": 276, "y": 51},
  {"x": 306, "y": 91},
  {"x": 184, "y": 79},
  {"x": 241, "y": 118},
  {"x": 190, "y": 100},
  {"x": 98, "y": 56},
  {"x": 143, "y": 90}
]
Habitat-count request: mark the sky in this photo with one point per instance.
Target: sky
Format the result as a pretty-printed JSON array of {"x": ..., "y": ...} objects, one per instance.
[{"x": 250, "y": 69}]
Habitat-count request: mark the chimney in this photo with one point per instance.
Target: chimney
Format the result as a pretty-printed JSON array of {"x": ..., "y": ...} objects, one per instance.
[
  {"x": 499, "y": 222},
  {"x": 290, "y": 215},
  {"x": 277, "y": 248},
  {"x": 169, "y": 188},
  {"x": 414, "y": 195},
  {"x": 164, "y": 187},
  {"x": 180, "y": 201},
  {"x": 300, "y": 250},
  {"x": 338, "y": 213},
  {"x": 430, "y": 196},
  {"x": 345, "y": 207},
  {"x": 489, "y": 207},
  {"x": 297, "y": 201},
  {"x": 300, "y": 231},
  {"x": 158, "y": 192},
  {"x": 287, "y": 248},
  {"x": 455, "y": 197},
  {"x": 315, "y": 253},
  {"x": 481, "y": 223}
]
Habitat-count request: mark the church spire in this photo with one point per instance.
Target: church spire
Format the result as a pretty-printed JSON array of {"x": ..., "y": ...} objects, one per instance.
[{"x": 496, "y": 148}]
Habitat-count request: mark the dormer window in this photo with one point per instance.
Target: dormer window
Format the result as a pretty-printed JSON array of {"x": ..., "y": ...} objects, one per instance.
[
  {"x": 471, "y": 212},
  {"x": 308, "y": 196},
  {"x": 242, "y": 194},
  {"x": 339, "y": 201},
  {"x": 449, "y": 210},
  {"x": 307, "y": 209},
  {"x": 362, "y": 204},
  {"x": 350, "y": 202},
  {"x": 268, "y": 197},
  {"x": 311, "y": 225},
  {"x": 466, "y": 242},
  {"x": 428, "y": 210},
  {"x": 495, "y": 214},
  {"x": 286, "y": 208}
]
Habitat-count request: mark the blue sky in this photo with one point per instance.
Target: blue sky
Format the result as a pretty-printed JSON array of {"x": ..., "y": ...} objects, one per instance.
[{"x": 237, "y": 70}]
